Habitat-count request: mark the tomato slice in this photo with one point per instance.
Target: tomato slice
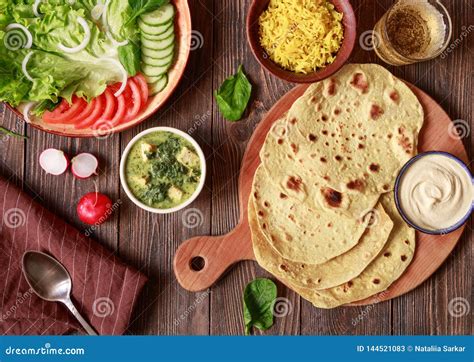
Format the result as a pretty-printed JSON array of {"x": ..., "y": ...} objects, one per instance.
[
  {"x": 98, "y": 104},
  {"x": 109, "y": 121},
  {"x": 65, "y": 111},
  {"x": 110, "y": 104},
  {"x": 86, "y": 112},
  {"x": 134, "y": 103},
  {"x": 141, "y": 82}
]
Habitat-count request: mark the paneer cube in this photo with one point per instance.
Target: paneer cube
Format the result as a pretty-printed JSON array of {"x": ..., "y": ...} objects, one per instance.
[
  {"x": 188, "y": 158},
  {"x": 147, "y": 149},
  {"x": 141, "y": 181},
  {"x": 175, "y": 194}
]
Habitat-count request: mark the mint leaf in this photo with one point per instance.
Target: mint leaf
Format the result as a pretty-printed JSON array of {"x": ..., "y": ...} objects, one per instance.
[{"x": 233, "y": 95}]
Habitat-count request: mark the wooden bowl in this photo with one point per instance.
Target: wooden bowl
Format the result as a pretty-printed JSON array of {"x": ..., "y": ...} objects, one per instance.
[
  {"x": 350, "y": 32},
  {"x": 183, "y": 33}
]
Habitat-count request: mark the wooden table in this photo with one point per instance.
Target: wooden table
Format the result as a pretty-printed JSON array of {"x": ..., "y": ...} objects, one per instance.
[{"x": 149, "y": 241}]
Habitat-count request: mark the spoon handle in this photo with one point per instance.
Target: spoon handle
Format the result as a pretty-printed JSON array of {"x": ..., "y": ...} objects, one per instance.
[{"x": 68, "y": 303}]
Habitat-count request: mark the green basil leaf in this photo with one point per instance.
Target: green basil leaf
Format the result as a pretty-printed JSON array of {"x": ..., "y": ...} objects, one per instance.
[
  {"x": 140, "y": 7},
  {"x": 234, "y": 95},
  {"x": 130, "y": 56},
  {"x": 259, "y": 297}
]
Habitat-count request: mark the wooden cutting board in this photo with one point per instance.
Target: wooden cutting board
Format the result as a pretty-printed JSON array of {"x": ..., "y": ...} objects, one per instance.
[{"x": 199, "y": 262}]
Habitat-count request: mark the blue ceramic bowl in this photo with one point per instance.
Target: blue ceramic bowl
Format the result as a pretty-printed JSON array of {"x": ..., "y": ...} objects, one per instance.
[{"x": 397, "y": 201}]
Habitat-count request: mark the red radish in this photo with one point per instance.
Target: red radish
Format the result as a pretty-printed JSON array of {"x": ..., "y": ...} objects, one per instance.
[
  {"x": 84, "y": 165},
  {"x": 53, "y": 161},
  {"x": 94, "y": 208}
]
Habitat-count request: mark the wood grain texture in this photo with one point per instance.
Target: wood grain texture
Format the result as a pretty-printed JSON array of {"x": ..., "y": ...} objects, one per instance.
[{"x": 149, "y": 241}]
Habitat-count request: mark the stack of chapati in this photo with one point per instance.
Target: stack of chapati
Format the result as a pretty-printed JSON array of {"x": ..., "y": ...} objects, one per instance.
[{"x": 321, "y": 211}]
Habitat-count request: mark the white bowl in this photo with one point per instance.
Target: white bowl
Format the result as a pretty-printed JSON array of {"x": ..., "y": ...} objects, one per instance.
[{"x": 129, "y": 193}]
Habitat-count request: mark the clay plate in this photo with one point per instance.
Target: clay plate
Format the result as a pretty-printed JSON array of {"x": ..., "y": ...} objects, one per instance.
[
  {"x": 183, "y": 45},
  {"x": 350, "y": 32}
]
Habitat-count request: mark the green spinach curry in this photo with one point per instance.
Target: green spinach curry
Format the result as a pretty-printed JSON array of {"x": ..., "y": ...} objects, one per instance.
[{"x": 163, "y": 170}]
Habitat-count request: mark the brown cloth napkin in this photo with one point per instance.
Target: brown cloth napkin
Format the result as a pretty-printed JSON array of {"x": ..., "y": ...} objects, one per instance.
[{"x": 104, "y": 288}]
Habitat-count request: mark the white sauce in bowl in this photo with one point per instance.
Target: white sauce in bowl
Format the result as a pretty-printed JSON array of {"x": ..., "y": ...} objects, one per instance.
[{"x": 435, "y": 192}]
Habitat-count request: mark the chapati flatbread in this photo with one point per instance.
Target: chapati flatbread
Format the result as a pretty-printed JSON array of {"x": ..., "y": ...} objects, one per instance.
[
  {"x": 298, "y": 231},
  {"x": 285, "y": 169},
  {"x": 356, "y": 129},
  {"x": 387, "y": 267},
  {"x": 331, "y": 273}
]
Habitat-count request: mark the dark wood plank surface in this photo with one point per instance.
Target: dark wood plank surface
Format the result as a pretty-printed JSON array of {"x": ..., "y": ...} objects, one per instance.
[{"x": 149, "y": 241}]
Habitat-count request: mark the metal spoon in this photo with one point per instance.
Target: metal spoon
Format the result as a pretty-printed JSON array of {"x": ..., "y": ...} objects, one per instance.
[{"x": 50, "y": 281}]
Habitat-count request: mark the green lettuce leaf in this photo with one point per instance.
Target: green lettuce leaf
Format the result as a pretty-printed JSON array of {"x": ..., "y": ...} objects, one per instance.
[{"x": 57, "y": 74}]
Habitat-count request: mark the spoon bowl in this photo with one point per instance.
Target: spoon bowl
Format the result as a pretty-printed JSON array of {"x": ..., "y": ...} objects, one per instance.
[
  {"x": 50, "y": 281},
  {"x": 48, "y": 278}
]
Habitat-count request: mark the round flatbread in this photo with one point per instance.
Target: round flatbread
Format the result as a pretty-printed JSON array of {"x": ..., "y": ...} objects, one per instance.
[
  {"x": 298, "y": 231},
  {"x": 387, "y": 267},
  {"x": 331, "y": 273},
  {"x": 356, "y": 129},
  {"x": 284, "y": 168}
]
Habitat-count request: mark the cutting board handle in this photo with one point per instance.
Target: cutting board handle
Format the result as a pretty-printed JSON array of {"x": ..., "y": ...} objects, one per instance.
[{"x": 201, "y": 261}]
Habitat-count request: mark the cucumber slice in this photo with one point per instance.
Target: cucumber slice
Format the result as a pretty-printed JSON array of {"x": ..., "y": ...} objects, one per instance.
[
  {"x": 161, "y": 36},
  {"x": 159, "y": 85},
  {"x": 158, "y": 62},
  {"x": 157, "y": 54},
  {"x": 155, "y": 71},
  {"x": 151, "y": 80},
  {"x": 153, "y": 29},
  {"x": 159, "y": 44},
  {"x": 159, "y": 16}
]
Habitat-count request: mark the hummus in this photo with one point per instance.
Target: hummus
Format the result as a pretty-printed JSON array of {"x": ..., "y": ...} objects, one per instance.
[{"x": 435, "y": 192}]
